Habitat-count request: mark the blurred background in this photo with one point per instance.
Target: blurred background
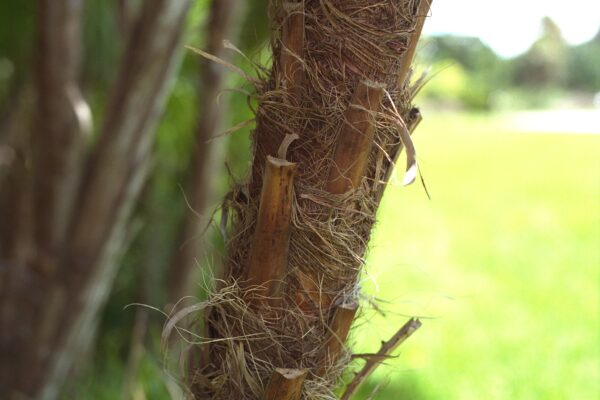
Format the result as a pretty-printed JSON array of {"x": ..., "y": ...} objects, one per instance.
[{"x": 502, "y": 263}]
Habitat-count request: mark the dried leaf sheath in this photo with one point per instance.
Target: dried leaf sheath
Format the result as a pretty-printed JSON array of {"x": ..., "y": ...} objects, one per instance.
[
  {"x": 269, "y": 251},
  {"x": 355, "y": 139},
  {"x": 286, "y": 384},
  {"x": 292, "y": 39},
  {"x": 343, "y": 315}
]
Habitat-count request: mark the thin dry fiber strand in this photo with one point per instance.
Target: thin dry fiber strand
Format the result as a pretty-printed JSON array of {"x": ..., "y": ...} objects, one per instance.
[{"x": 345, "y": 42}]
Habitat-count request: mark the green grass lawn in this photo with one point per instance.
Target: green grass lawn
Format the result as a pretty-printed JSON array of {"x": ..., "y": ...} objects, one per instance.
[{"x": 502, "y": 264}]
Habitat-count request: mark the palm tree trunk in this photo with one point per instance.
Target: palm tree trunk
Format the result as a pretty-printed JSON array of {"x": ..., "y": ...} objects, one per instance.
[{"x": 335, "y": 108}]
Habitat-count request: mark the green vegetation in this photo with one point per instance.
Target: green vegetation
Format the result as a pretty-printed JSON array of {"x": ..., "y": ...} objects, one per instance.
[
  {"x": 469, "y": 75},
  {"x": 502, "y": 263}
]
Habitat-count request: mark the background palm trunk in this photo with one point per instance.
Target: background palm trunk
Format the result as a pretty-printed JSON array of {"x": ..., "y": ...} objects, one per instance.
[
  {"x": 51, "y": 300},
  {"x": 224, "y": 16}
]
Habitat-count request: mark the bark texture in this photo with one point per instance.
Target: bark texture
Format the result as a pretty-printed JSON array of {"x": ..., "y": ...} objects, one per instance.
[{"x": 339, "y": 83}]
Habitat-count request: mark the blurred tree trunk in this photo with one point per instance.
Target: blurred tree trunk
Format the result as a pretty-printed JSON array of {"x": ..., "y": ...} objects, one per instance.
[
  {"x": 68, "y": 209},
  {"x": 224, "y": 17}
]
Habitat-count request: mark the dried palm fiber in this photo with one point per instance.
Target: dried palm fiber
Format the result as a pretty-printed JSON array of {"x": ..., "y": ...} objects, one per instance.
[{"x": 339, "y": 82}]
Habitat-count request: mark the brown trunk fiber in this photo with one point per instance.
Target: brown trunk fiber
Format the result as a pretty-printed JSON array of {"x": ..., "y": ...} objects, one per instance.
[{"x": 351, "y": 114}]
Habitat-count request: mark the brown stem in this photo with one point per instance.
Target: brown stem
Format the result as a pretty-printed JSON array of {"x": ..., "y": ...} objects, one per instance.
[
  {"x": 114, "y": 177},
  {"x": 341, "y": 322},
  {"x": 16, "y": 182},
  {"x": 386, "y": 349},
  {"x": 206, "y": 157},
  {"x": 47, "y": 172},
  {"x": 355, "y": 139},
  {"x": 57, "y": 136},
  {"x": 16, "y": 233},
  {"x": 269, "y": 252},
  {"x": 127, "y": 12},
  {"x": 292, "y": 40},
  {"x": 413, "y": 40},
  {"x": 285, "y": 384},
  {"x": 135, "y": 105},
  {"x": 351, "y": 153}
]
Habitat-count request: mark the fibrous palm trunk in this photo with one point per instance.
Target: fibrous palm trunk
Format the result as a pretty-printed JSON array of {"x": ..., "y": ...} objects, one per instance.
[{"x": 334, "y": 113}]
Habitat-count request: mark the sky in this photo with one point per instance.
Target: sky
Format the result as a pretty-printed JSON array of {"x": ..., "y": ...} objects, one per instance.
[{"x": 509, "y": 27}]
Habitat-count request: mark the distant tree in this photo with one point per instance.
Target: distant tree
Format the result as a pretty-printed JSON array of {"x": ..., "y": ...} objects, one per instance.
[
  {"x": 545, "y": 63},
  {"x": 470, "y": 52},
  {"x": 584, "y": 70},
  {"x": 475, "y": 71}
]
